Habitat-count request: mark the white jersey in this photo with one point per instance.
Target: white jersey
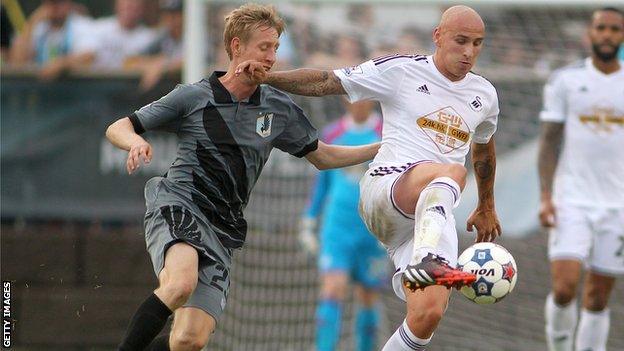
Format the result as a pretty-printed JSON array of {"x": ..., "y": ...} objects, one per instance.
[
  {"x": 591, "y": 104},
  {"x": 426, "y": 116}
]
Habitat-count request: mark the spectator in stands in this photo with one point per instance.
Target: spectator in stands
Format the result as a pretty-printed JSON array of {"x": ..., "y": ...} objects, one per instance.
[
  {"x": 410, "y": 42},
  {"x": 121, "y": 36},
  {"x": 344, "y": 50},
  {"x": 166, "y": 53},
  {"x": 6, "y": 33},
  {"x": 55, "y": 38}
]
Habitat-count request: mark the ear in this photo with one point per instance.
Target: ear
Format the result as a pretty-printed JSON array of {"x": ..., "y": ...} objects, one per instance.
[
  {"x": 437, "y": 36},
  {"x": 235, "y": 45}
]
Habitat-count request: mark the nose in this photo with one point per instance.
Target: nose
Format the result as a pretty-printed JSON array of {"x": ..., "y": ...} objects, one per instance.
[
  {"x": 271, "y": 57},
  {"x": 469, "y": 52}
]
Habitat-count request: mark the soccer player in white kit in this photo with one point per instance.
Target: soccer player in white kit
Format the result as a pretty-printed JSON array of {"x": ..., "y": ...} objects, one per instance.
[
  {"x": 434, "y": 109},
  {"x": 584, "y": 205}
]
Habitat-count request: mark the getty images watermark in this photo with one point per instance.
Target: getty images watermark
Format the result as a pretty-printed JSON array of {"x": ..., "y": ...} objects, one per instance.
[{"x": 7, "y": 320}]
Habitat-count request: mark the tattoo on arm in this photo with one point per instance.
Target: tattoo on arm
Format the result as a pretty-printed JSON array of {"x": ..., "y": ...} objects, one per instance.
[
  {"x": 551, "y": 137},
  {"x": 484, "y": 163},
  {"x": 308, "y": 82}
]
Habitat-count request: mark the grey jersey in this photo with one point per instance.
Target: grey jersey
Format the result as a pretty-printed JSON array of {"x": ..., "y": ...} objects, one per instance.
[{"x": 223, "y": 146}]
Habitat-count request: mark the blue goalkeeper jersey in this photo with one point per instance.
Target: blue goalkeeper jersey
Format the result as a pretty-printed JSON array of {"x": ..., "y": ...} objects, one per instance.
[{"x": 336, "y": 192}]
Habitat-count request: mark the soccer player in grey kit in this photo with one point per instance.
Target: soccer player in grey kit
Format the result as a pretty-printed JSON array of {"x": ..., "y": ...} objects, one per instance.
[{"x": 227, "y": 127}]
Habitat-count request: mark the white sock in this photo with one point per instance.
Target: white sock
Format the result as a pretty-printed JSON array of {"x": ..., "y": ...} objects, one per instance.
[
  {"x": 560, "y": 324},
  {"x": 593, "y": 330},
  {"x": 404, "y": 340},
  {"x": 434, "y": 207}
]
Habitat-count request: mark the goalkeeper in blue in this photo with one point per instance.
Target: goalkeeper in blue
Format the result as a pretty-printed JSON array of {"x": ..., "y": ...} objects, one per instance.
[{"x": 348, "y": 252}]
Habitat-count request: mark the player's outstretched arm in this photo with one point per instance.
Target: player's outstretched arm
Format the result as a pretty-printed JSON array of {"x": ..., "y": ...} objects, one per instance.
[
  {"x": 335, "y": 156},
  {"x": 551, "y": 136},
  {"x": 303, "y": 81},
  {"x": 121, "y": 134},
  {"x": 484, "y": 217}
]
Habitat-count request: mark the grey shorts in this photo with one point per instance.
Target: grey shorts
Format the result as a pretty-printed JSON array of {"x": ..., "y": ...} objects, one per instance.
[{"x": 170, "y": 224}]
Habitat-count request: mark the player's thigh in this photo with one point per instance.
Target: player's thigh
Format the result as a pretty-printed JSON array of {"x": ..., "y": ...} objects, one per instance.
[
  {"x": 212, "y": 289},
  {"x": 597, "y": 290},
  {"x": 192, "y": 326},
  {"x": 607, "y": 256},
  {"x": 571, "y": 238},
  {"x": 382, "y": 217},
  {"x": 410, "y": 184},
  {"x": 181, "y": 262}
]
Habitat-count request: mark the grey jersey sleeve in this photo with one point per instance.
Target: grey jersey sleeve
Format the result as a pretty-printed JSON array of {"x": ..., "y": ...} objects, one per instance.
[
  {"x": 164, "y": 114},
  {"x": 300, "y": 137}
]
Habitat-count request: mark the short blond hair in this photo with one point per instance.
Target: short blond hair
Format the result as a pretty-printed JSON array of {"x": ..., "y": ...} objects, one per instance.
[{"x": 242, "y": 21}]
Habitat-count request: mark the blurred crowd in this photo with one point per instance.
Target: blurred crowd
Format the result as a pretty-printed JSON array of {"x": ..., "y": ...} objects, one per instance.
[
  {"x": 145, "y": 37},
  {"x": 60, "y": 36}
]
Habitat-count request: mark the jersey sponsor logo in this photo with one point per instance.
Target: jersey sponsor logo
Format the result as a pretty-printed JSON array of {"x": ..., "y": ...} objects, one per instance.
[
  {"x": 476, "y": 104},
  {"x": 353, "y": 70},
  {"x": 264, "y": 124},
  {"x": 446, "y": 128},
  {"x": 602, "y": 120}
]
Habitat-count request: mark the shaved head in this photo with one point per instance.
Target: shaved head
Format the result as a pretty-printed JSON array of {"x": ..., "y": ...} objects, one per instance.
[
  {"x": 458, "y": 38},
  {"x": 461, "y": 17}
]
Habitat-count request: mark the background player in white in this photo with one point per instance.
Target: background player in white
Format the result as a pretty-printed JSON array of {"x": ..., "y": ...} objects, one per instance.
[
  {"x": 433, "y": 109},
  {"x": 584, "y": 105}
]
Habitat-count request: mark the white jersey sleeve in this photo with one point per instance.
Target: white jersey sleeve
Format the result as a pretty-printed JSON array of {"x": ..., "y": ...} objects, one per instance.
[
  {"x": 554, "y": 109},
  {"x": 487, "y": 128},
  {"x": 373, "y": 79}
]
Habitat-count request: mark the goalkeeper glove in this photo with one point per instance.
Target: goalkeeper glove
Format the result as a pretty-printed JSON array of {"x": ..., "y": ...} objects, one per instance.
[{"x": 307, "y": 236}]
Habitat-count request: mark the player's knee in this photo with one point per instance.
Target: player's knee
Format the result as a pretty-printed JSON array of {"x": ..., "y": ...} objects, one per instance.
[
  {"x": 184, "y": 340},
  {"x": 596, "y": 299},
  {"x": 333, "y": 291},
  {"x": 178, "y": 290},
  {"x": 564, "y": 292},
  {"x": 367, "y": 298},
  {"x": 428, "y": 316},
  {"x": 458, "y": 173}
]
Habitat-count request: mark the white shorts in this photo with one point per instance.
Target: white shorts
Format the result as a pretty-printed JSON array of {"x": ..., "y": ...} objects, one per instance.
[
  {"x": 393, "y": 227},
  {"x": 594, "y": 236}
]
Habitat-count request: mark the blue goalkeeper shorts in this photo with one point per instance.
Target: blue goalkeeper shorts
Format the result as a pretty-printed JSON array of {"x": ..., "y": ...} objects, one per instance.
[{"x": 354, "y": 252}]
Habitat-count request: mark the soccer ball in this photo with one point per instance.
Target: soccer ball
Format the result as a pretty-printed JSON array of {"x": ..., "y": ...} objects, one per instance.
[{"x": 496, "y": 272}]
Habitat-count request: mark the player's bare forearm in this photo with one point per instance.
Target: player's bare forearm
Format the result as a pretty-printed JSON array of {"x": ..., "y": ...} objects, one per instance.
[
  {"x": 306, "y": 81},
  {"x": 484, "y": 163},
  {"x": 336, "y": 156},
  {"x": 121, "y": 134},
  {"x": 551, "y": 136}
]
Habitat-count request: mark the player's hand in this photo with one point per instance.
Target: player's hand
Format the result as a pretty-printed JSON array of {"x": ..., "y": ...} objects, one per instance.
[
  {"x": 307, "y": 237},
  {"x": 255, "y": 71},
  {"x": 487, "y": 224},
  {"x": 547, "y": 213},
  {"x": 140, "y": 152}
]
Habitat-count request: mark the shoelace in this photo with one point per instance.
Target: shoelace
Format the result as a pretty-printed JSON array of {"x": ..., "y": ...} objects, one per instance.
[{"x": 440, "y": 259}]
